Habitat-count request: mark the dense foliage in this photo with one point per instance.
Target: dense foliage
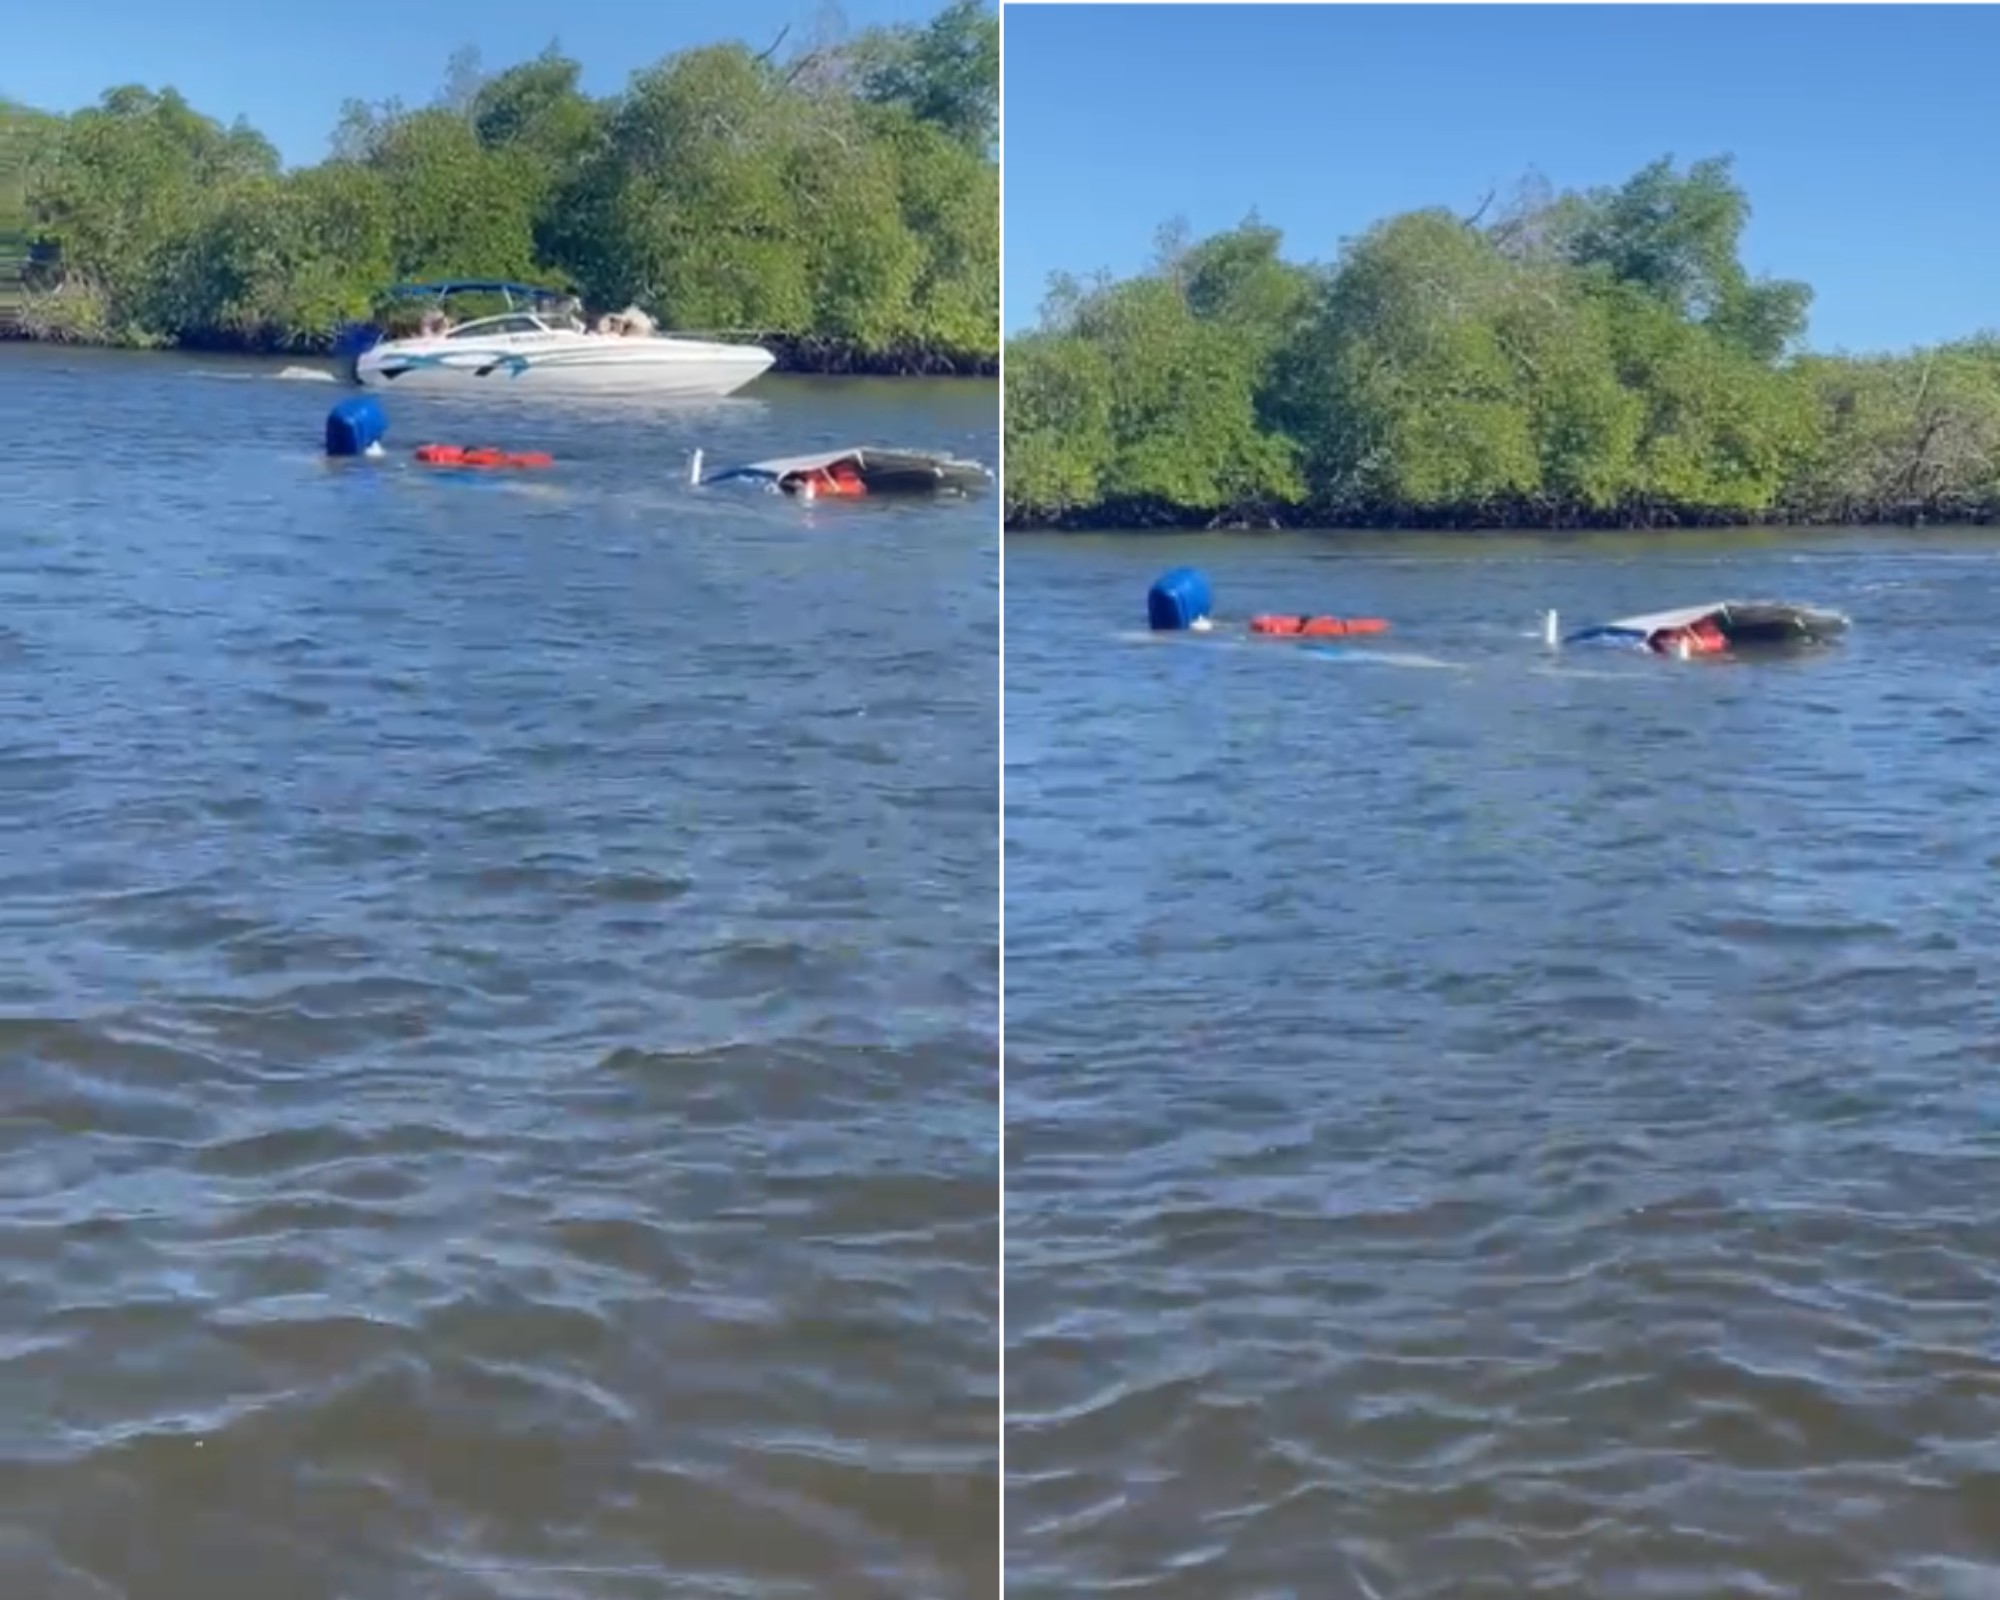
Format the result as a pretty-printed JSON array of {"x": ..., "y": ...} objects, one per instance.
[
  {"x": 14, "y": 132},
  {"x": 1580, "y": 359},
  {"x": 841, "y": 203}
]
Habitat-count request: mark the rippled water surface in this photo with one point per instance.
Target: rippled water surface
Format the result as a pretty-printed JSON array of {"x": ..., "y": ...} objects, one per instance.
[
  {"x": 498, "y": 1006},
  {"x": 1483, "y": 1125}
]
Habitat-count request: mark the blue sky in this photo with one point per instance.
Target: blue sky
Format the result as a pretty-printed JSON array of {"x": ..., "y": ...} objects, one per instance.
[
  {"x": 1867, "y": 137},
  {"x": 289, "y": 78}
]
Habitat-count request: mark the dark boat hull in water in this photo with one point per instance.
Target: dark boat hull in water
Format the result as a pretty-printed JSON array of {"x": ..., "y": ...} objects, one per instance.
[
  {"x": 859, "y": 472},
  {"x": 1721, "y": 627}
]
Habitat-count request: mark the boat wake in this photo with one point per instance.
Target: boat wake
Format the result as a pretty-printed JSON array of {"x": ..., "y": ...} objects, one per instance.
[
  {"x": 1383, "y": 658},
  {"x": 260, "y": 374},
  {"x": 1324, "y": 652},
  {"x": 1604, "y": 674}
]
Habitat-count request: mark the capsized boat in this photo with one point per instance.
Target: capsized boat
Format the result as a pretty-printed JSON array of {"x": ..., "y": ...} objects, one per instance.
[
  {"x": 540, "y": 342},
  {"x": 855, "y": 472},
  {"x": 1722, "y": 626}
]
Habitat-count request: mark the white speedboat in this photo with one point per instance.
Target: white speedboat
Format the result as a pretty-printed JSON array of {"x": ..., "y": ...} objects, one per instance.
[{"x": 536, "y": 346}]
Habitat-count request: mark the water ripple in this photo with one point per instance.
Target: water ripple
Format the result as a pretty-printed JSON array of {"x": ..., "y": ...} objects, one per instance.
[
  {"x": 500, "y": 1014},
  {"x": 1527, "y": 1129}
]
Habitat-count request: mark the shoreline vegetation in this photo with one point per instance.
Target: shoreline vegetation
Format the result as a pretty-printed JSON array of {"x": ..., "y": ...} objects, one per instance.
[
  {"x": 838, "y": 203},
  {"x": 1572, "y": 361}
]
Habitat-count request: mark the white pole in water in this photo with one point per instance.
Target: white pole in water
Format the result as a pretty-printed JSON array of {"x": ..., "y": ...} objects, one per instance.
[
  {"x": 694, "y": 470},
  {"x": 1550, "y": 636}
]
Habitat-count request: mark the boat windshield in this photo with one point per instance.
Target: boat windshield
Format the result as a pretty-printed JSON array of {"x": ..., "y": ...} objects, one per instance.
[{"x": 490, "y": 327}]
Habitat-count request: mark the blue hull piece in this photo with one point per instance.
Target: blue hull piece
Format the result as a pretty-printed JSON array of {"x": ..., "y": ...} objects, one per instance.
[{"x": 1610, "y": 638}]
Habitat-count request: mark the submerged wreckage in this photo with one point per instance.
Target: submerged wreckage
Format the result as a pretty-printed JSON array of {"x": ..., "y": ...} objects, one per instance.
[
  {"x": 1180, "y": 601},
  {"x": 854, "y": 473},
  {"x": 1719, "y": 628}
]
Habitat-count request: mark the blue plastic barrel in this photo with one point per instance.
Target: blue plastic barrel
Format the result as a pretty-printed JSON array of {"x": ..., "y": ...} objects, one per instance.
[
  {"x": 1177, "y": 600},
  {"x": 354, "y": 425}
]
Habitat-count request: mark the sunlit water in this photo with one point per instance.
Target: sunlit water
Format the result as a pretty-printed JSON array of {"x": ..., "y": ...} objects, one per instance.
[
  {"x": 1489, "y": 1124},
  {"x": 499, "y": 1007}
]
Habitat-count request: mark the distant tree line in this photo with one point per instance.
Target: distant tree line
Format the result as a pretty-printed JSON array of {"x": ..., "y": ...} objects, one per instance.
[
  {"x": 840, "y": 202},
  {"x": 1593, "y": 359},
  {"x": 13, "y": 212}
]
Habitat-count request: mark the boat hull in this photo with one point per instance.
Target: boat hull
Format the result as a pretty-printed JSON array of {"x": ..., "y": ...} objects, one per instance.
[
  {"x": 588, "y": 364},
  {"x": 1724, "y": 626},
  {"x": 870, "y": 471}
]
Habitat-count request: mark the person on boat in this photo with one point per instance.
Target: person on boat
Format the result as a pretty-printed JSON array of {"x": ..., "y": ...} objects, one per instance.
[{"x": 636, "y": 324}]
